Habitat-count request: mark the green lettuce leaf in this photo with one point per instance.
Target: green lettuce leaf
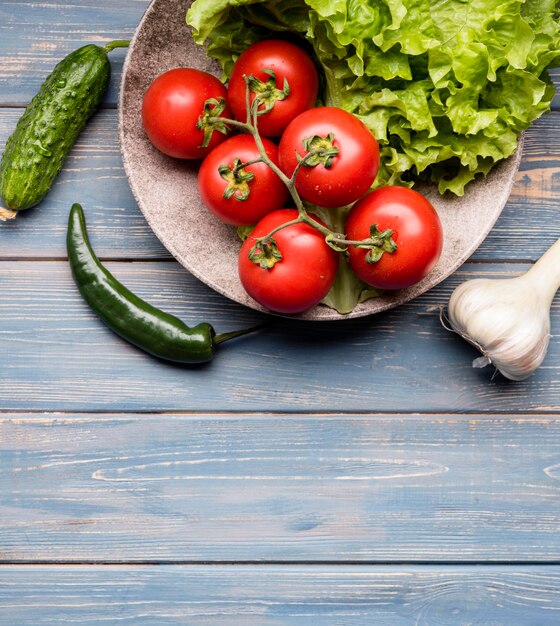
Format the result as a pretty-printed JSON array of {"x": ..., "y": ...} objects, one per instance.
[{"x": 446, "y": 86}]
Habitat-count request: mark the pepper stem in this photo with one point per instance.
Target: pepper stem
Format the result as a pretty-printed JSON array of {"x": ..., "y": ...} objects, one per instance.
[
  {"x": 223, "y": 337},
  {"x": 118, "y": 43}
]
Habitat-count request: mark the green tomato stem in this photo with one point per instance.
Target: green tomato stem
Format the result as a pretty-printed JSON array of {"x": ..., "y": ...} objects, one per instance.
[
  {"x": 240, "y": 166},
  {"x": 268, "y": 237},
  {"x": 251, "y": 127},
  {"x": 230, "y": 122}
]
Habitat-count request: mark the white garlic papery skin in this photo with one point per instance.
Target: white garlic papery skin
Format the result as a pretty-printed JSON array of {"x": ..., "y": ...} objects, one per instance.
[{"x": 508, "y": 320}]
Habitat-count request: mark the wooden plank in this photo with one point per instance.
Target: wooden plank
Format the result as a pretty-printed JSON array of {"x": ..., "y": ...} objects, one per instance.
[
  {"x": 56, "y": 355},
  {"x": 529, "y": 224},
  {"x": 34, "y": 36},
  {"x": 554, "y": 74},
  {"x": 281, "y": 596},
  {"x": 94, "y": 176},
  {"x": 276, "y": 487}
]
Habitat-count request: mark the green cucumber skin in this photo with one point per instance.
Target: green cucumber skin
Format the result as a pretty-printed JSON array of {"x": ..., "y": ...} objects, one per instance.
[{"x": 50, "y": 125}]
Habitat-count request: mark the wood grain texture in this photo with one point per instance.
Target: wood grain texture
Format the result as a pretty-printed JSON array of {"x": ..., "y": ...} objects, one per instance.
[
  {"x": 35, "y": 36},
  {"x": 94, "y": 176},
  {"x": 282, "y": 451},
  {"x": 554, "y": 74},
  {"x": 280, "y": 596},
  {"x": 56, "y": 355},
  {"x": 530, "y": 222},
  {"x": 276, "y": 487}
]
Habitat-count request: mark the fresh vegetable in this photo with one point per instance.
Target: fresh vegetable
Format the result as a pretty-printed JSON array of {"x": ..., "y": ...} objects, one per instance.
[
  {"x": 406, "y": 226},
  {"x": 236, "y": 193},
  {"x": 176, "y": 110},
  {"x": 445, "y": 87},
  {"x": 50, "y": 125},
  {"x": 291, "y": 260},
  {"x": 347, "y": 290},
  {"x": 285, "y": 78},
  {"x": 148, "y": 328},
  {"x": 293, "y": 272},
  {"x": 346, "y": 160},
  {"x": 508, "y": 320}
]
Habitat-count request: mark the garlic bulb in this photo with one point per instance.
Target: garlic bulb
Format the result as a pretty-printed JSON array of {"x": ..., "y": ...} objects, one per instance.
[{"x": 508, "y": 320}]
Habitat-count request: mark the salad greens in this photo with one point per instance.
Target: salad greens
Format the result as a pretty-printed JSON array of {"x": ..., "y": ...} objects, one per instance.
[{"x": 446, "y": 86}]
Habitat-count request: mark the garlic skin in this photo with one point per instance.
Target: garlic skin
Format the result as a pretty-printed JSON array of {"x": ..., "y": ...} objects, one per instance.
[{"x": 508, "y": 320}]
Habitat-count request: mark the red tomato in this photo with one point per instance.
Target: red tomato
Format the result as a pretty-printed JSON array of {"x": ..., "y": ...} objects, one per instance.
[
  {"x": 416, "y": 230},
  {"x": 288, "y": 62},
  {"x": 172, "y": 107},
  {"x": 337, "y": 180},
  {"x": 241, "y": 198},
  {"x": 304, "y": 275}
]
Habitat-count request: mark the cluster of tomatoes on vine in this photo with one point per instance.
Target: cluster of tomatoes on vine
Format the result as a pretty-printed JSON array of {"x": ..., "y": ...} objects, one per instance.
[{"x": 325, "y": 157}]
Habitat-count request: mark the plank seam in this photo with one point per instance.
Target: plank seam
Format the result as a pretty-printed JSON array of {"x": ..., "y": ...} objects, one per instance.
[
  {"x": 350, "y": 414},
  {"x": 218, "y": 563}
]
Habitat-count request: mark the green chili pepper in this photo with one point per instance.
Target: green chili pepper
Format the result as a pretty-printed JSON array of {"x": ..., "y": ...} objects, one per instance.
[{"x": 148, "y": 328}]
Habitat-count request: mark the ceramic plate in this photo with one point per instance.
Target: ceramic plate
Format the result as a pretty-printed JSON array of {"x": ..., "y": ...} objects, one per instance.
[{"x": 166, "y": 189}]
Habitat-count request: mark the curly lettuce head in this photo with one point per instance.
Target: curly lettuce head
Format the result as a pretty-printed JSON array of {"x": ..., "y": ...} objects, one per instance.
[{"x": 446, "y": 86}]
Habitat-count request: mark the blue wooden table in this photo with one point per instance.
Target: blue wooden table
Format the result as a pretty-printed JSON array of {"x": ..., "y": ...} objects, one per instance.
[{"x": 317, "y": 474}]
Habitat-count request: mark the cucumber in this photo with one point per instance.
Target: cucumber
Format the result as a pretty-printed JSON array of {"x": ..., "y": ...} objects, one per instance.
[{"x": 50, "y": 125}]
